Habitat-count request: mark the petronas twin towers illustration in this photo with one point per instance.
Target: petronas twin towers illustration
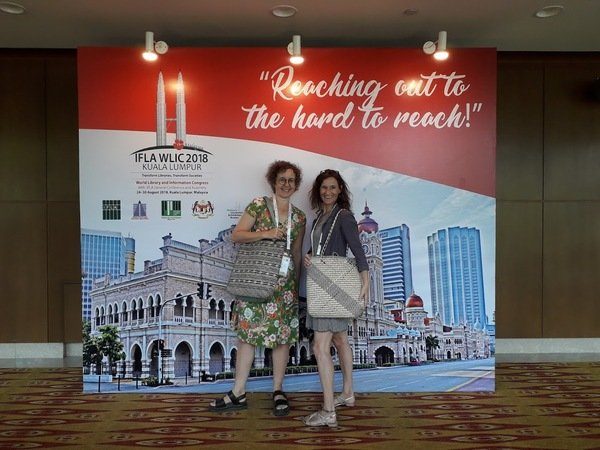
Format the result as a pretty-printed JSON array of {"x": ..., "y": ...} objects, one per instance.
[{"x": 161, "y": 114}]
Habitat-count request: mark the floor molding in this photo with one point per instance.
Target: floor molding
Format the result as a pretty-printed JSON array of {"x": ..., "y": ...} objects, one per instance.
[
  {"x": 554, "y": 346},
  {"x": 55, "y": 350},
  {"x": 40, "y": 350}
]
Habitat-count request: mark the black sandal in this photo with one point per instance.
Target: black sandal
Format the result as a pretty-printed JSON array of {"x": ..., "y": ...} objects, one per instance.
[
  {"x": 233, "y": 403},
  {"x": 278, "y": 410}
]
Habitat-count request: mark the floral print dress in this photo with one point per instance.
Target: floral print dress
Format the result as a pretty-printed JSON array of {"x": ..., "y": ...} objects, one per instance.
[{"x": 275, "y": 321}]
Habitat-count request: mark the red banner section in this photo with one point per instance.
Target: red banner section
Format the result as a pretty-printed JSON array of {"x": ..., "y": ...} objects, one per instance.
[{"x": 396, "y": 109}]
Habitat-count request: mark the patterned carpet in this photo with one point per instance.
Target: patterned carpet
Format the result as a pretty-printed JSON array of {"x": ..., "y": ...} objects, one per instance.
[{"x": 536, "y": 406}]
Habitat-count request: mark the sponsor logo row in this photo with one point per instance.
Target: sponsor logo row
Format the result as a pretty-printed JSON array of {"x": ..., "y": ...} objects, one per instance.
[{"x": 169, "y": 209}]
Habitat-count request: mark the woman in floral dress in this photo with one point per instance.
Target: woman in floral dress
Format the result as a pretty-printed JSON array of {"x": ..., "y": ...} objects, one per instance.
[{"x": 273, "y": 324}]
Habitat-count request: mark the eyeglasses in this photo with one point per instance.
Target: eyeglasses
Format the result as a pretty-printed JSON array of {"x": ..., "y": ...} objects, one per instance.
[
  {"x": 282, "y": 181},
  {"x": 329, "y": 171}
]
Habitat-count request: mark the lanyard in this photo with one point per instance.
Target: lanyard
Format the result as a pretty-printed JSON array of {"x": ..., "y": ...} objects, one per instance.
[
  {"x": 312, "y": 234},
  {"x": 289, "y": 221}
]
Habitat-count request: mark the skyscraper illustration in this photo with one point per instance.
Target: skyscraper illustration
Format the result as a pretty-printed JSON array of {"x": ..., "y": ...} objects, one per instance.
[
  {"x": 456, "y": 276},
  {"x": 161, "y": 112},
  {"x": 397, "y": 264},
  {"x": 161, "y": 115},
  {"x": 103, "y": 253},
  {"x": 180, "y": 110}
]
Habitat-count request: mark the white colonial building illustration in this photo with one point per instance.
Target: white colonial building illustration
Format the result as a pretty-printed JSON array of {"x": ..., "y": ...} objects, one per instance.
[{"x": 196, "y": 331}]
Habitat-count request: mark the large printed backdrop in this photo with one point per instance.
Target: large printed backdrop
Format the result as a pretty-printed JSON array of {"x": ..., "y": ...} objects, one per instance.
[{"x": 172, "y": 151}]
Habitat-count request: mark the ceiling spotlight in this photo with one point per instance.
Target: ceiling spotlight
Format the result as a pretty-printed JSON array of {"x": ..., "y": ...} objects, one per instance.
[
  {"x": 153, "y": 49},
  {"x": 295, "y": 50},
  {"x": 284, "y": 11},
  {"x": 11, "y": 8},
  {"x": 437, "y": 48},
  {"x": 549, "y": 11}
]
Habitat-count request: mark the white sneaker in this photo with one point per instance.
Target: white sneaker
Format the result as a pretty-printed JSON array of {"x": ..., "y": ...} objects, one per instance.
[
  {"x": 341, "y": 401},
  {"x": 321, "y": 418}
]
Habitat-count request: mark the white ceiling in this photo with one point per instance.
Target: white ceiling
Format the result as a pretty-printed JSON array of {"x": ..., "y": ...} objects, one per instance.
[{"x": 508, "y": 25}]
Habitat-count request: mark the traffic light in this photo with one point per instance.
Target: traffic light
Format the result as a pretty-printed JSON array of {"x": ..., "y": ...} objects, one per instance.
[
  {"x": 201, "y": 290},
  {"x": 208, "y": 290}
]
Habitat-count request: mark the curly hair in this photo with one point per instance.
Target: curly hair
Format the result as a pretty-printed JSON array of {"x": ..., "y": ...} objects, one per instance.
[
  {"x": 344, "y": 200},
  {"x": 278, "y": 167}
]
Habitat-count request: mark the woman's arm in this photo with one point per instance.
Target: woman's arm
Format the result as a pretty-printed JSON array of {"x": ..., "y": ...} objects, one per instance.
[
  {"x": 349, "y": 229},
  {"x": 243, "y": 233},
  {"x": 364, "y": 288}
]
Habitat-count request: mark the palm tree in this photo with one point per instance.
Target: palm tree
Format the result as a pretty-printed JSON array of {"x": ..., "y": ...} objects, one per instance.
[{"x": 431, "y": 343}]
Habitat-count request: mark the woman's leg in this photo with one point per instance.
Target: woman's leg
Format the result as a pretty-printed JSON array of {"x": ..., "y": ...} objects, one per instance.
[
  {"x": 340, "y": 340},
  {"x": 280, "y": 360},
  {"x": 243, "y": 363},
  {"x": 281, "y": 406},
  {"x": 321, "y": 347}
]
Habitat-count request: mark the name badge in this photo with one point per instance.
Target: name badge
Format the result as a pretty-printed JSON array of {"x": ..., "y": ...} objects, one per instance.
[{"x": 285, "y": 265}]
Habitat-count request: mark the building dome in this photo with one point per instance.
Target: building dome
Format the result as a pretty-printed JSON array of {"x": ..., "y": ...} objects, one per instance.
[
  {"x": 414, "y": 301},
  {"x": 367, "y": 224}
]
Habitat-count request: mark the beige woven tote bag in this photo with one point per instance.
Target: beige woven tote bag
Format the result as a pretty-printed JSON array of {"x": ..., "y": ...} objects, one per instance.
[{"x": 333, "y": 285}]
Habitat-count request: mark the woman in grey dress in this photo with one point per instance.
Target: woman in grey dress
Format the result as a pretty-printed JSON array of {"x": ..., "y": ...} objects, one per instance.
[{"x": 330, "y": 195}]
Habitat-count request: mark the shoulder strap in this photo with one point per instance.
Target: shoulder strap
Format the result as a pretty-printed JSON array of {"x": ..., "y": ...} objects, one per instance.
[
  {"x": 270, "y": 208},
  {"x": 330, "y": 231}
]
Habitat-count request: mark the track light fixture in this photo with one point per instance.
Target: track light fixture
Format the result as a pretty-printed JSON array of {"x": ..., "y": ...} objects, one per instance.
[
  {"x": 437, "y": 48},
  {"x": 295, "y": 50},
  {"x": 153, "y": 49}
]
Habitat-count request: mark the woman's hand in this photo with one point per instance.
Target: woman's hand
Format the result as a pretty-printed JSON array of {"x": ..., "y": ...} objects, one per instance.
[
  {"x": 364, "y": 288},
  {"x": 364, "y": 294},
  {"x": 307, "y": 261},
  {"x": 273, "y": 233}
]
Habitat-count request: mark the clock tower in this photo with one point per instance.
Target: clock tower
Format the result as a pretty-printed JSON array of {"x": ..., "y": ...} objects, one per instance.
[{"x": 371, "y": 242}]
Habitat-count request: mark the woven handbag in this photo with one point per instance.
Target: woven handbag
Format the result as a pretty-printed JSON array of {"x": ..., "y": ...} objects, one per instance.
[
  {"x": 333, "y": 286},
  {"x": 256, "y": 269}
]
